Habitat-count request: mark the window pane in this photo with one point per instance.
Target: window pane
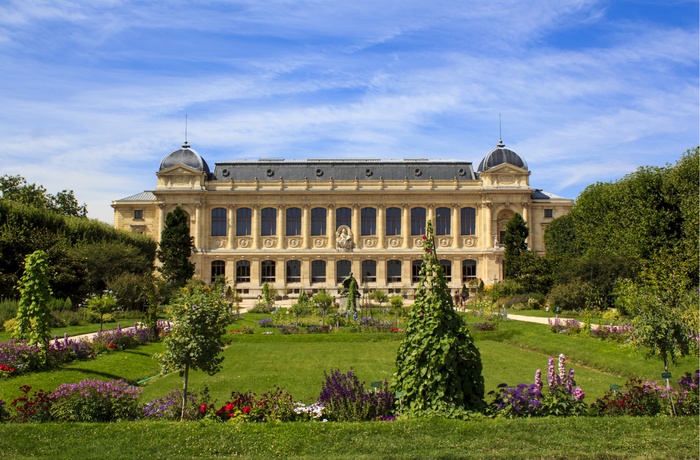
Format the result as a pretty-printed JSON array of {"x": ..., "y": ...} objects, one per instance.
[
  {"x": 318, "y": 221},
  {"x": 342, "y": 270},
  {"x": 318, "y": 271},
  {"x": 446, "y": 269},
  {"x": 267, "y": 271},
  {"x": 468, "y": 217},
  {"x": 393, "y": 271},
  {"x": 293, "y": 271},
  {"x": 268, "y": 221},
  {"x": 218, "y": 222},
  {"x": 218, "y": 268},
  {"x": 468, "y": 270},
  {"x": 343, "y": 216},
  {"x": 417, "y": 221},
  {"x": 416, "y": 266},
  {"x": 293, "y": 221},
  {"x": 243, "y": 221},
  {"x": 393, "y": 221},
  {"x": 242, "y": 271},
  {"x": 369, "y": 271},
  {"x": 442, "y": 221},
  {"x": 369, "y": 221}
]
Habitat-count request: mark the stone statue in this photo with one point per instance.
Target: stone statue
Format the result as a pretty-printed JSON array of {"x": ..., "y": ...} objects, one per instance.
[{"x": 344, "y": 238}]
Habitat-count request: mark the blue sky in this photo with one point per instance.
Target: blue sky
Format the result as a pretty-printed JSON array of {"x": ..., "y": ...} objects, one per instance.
[{"x": 95, "y": 93}]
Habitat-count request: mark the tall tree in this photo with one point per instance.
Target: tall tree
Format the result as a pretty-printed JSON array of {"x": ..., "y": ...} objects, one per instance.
[
  {"x": 175, "y": 249},
  {"x": 33, "y": 312},
  {"x": 199, "y": 317},
  {"x": 515, "y": 244},
  {"x": 438, "y": 365}
]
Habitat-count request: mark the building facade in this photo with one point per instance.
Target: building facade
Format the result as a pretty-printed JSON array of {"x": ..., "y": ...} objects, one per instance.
[{"x": 308, "y": 224}]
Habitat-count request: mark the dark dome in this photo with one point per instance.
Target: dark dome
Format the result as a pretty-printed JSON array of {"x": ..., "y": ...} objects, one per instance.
[
  {"x": 499, "y": 156},
  {"x": 184, "y": 156}
]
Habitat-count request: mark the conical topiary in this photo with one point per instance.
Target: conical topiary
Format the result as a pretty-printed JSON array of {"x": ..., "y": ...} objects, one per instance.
[{"x": 439, "y": 368}]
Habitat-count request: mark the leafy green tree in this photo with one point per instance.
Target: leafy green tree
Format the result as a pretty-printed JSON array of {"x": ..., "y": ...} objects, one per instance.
[
  {"x": 515, "y": 244},
  {"x": 379, "y": 296},
  {"x": 199, "y": 318},
  {"x": 301, "y": 306},
  {"x": 16, "y": 188},
  {"x": 269, "y": 294},
  {"x": 438, "y": 366},
  {"x": 323, "y": 301},
  {"x": 175, "y": 249},
  {"x": 33, "y": 313},
  {"x": 102, "y": 305},
  {"x": 664, "y": 317},
  {"x": 396, "y": 303}
]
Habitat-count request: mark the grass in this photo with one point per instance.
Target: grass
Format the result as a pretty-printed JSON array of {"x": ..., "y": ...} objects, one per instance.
[{"x": 555, "y": 438}]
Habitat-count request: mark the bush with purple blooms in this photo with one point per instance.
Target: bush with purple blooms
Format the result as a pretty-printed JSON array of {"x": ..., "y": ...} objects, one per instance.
[
  {"x": 169, "y": 407},
  {"x": 375, "y": 325},
  {"x": 562, "y": 397},
  {"x": 266, "y": 322},
  {"x": 67, "y": 350},
  {"x": 619, "y": 333},
  {"x": 93, "y": 400},
  {"x": 564, "y": 326},
  {"x": 313, "y": 329},
  {"x": 639, "y": 398},
  {"x": 289, "y": 330},
  {"x": 344, "y": 398}
]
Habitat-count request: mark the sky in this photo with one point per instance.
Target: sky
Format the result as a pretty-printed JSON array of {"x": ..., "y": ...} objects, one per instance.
[{"x": 96, "y": 92}]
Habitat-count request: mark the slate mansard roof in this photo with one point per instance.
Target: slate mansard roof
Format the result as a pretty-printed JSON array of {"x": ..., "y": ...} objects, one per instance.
[{"x": 368, "y": 169}]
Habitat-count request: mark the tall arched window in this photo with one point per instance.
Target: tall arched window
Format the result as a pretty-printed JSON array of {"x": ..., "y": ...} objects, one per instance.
[
  {"x": 218, "y": 268},
  {"x": 417, "y": 221},
  {"x": 267, "y": 271},
  {"x": 318, "y": 221},
  {"x": 218, "y": 222},
  {"x": 369, "y": 221},
  {"x": 243, "y": 271},
  {"x": 468, "y": 270},
  {"x": 342, "y": 270},
  {"x": 268, "y": 222},
  {"x": 293, "y": 221},
  {"x": 446, "y": 269},
  {"x": 343, "y": 216},
  {"x": 468, "y": 221},
  {"x": 393, "y": 271},
  {"x": 293, "y": 271},
  {"x": 393, "y": 221},
  {"x": 416, "y": 266},
  {"x": 318, "y": 271},
  {"x": 244, "y": 218},
  {"x": 369, "y": 271},
  {"x": 443, "y": 219}
]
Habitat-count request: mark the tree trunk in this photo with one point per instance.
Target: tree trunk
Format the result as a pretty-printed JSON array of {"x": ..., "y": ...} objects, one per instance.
[{"x": 184, "y": 392}]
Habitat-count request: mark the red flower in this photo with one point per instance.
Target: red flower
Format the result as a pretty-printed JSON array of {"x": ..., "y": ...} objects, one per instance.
[
  {"x": 424, "y": 237},
  {"x": 229, "y": 407},
  {"x": 246, "y": 410},
  {"x": 202, "y": 408}
]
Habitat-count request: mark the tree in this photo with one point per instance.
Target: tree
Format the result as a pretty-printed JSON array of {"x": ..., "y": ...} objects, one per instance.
[
  {"x": 199, "y": 318},
  {"x": 16, "y": 188},
  {"x": 379, "y": 296},
  {"x": 323, "y": 302},
  {"x": 300, "y": 306},
  {"x": 438, "y": 365},
  {"x": 515, "y": 244},
  {"x": 35, "y": 293},
  {"x": 101, "y": 305},
  {"x": 175, "y": 249},
  {"x": 396, "y": 303}
]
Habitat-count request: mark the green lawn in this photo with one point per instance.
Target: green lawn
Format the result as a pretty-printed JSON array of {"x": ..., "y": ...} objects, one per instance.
[
  {"x": 258, "y": 362},
  {"x": 547, "y": 438}
]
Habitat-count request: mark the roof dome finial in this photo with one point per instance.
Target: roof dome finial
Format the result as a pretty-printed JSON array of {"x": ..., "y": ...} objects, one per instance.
[
  {"x": 500, "y": 136},
  {"x": 185, "y": 145}
]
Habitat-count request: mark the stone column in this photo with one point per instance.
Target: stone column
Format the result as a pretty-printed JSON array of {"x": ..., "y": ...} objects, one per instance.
[
  {"x": 405, "y": 225},
  {"x": 456, "y": 226},
  {"x": 381, "y": 226},
  {"x": 330, "y": 272},
  {"x": 305, "y": 226},
  {"x": 255, "y": 228},
  {"x": 231, "y": 218},
  {"x": 356, "y": 226},
  {"x": 430, "y": 214},
  {"x": 161, "y": 221},
  {"x": 381, "y": 273},
  {"x": 199, "y": 223},
  {"x": 330, "y": 226},
  {"x": 281, "y": 226},
  {"x": 255, "y": 272}
]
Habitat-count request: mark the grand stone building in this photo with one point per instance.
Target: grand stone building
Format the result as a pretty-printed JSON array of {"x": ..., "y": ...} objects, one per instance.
[{"x": 308, "y": 224}]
